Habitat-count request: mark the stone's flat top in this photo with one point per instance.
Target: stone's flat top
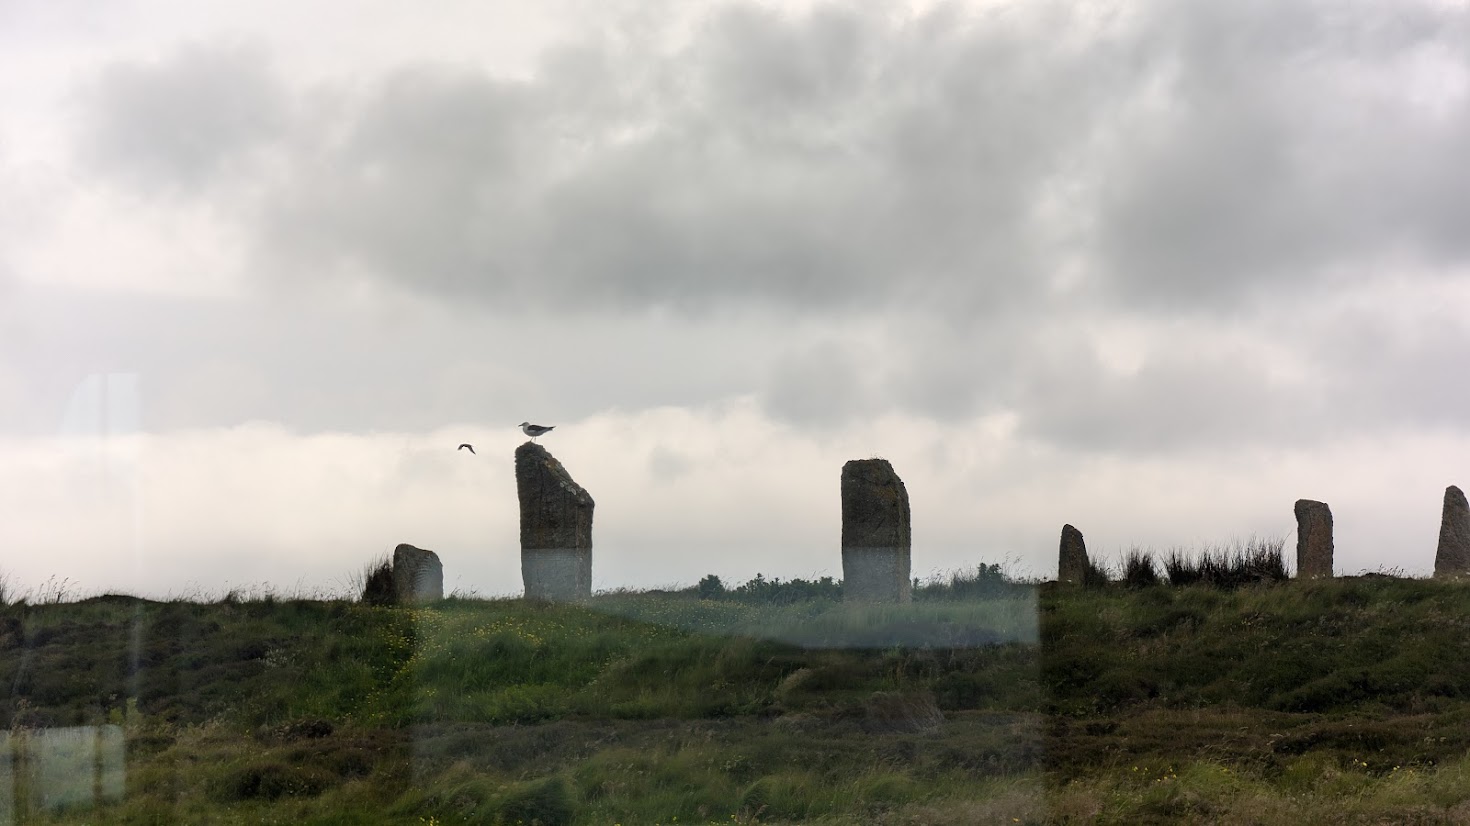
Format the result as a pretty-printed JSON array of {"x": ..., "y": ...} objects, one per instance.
[
  {"x": 870, "y": 470},
  {"x": 1310, "y": 505},
  {"x": 406, "y": 550}
]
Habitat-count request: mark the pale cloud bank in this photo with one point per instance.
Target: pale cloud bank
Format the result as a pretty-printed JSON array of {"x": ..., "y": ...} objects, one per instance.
[{"x": 679, "y": 494}]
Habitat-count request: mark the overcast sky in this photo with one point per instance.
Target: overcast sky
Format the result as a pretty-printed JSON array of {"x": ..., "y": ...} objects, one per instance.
[{"x": 1156, "y": 269}]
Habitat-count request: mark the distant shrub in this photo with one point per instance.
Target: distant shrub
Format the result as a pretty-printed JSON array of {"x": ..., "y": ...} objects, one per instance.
[
  {"x": 1139, "y": 570},
  {"x": 985, "y": 580},
  {"x": 762, "y": 591},
  {"x": 710, "y": 588},
  {"x": 1096, "y": 576}
]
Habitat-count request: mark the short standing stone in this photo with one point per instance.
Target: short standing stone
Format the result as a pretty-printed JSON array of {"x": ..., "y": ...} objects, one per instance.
[
  {"x": 1072, "y": 556},
  {"x": 1453, "y": 556},
  {"x": 1313, "y": 539},
  {"x": 418, "y": 576},
  {"x": 876, "y": 539},
  {"x": 556, "y": 527}
]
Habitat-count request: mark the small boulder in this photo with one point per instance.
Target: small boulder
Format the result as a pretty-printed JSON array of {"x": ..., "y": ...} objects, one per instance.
[{"x": 418, "y": 576}]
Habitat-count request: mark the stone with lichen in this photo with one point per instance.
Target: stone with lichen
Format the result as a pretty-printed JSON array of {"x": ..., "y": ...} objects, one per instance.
[
  {"x": 876, "y": 537},
  {"x": 556, "y": 527},
  {"x": 1452, "y": 558},
  {"x": 1313, "y": 539}
]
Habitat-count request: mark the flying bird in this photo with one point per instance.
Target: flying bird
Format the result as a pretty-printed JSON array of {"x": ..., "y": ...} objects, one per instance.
[
  {"x": 466, "y": 445},
  {"x": 534, "y": 430}
]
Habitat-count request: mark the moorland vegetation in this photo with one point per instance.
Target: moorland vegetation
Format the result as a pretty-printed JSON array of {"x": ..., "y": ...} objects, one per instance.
[{"x": 1203, "y": 687}]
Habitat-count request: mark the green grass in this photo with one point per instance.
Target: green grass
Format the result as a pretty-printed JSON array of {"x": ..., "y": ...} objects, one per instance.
[{"x": 1341, "y": 700}]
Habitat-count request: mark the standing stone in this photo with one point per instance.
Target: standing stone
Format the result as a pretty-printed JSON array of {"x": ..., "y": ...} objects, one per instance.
[
  {"x": 1313, "y": 539},
  {"x": 556, "y": 528},
  {"x": 418, "y": 576},
  {"x": 876, "y": 539},
  {"x": 1072, "y": 557},
  {"x": 1453, "y": 556}
]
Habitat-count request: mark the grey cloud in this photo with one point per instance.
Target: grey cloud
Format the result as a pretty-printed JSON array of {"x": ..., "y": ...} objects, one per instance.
[
  {"x": 1172, "y": 402},
  {"x": 424, "y": 186},
  {"x": 1376, "y": 370},
  {"x": 832, "y": 160},
  {"x": 932, "y": 176},
  {"x": 360, "y": 366},
  {"x": 1187, "y": 154},
  {"x": 180, "y": 123},
  {"x": 826, "y": 382},
  {"x": 1276, "y": 143}
]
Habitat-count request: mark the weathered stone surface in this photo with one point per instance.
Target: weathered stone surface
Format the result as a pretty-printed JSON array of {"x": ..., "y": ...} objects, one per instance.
[
  {"x": 1072, "y": 556},
  {"x": 1453, "y": 557},
  {"x": 876, "y": 538},
  {"x": 556, "y": 527},
  {"x": 418, "y": 576},
  {"x": 1313, "y": 539}
]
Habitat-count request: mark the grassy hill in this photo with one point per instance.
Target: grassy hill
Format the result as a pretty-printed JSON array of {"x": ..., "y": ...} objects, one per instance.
[{"x": 1302, "y": 702}]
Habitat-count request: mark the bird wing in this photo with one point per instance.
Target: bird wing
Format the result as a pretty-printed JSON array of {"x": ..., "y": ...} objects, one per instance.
[{"x": 462, "y": 447}]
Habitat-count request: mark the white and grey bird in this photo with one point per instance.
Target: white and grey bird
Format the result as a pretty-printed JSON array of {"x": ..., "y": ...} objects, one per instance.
[{"x": 534, "y": 430}]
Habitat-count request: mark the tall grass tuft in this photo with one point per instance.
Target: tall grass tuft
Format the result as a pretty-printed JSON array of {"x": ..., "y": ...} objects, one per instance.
[
  {"x": 1096, "y": 576},
  {"x": 1248, "y": 562},
  {"x": 1139, "y": 570},
  {"x": 377, "y": 582}
]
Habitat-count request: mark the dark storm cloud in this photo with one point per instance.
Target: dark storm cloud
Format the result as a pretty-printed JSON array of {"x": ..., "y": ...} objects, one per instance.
[{"x": 178, "y": 123}]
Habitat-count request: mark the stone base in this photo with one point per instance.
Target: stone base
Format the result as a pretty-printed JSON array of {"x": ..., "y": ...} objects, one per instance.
[
  {"x": 557, "y": 574},
  {"x": 876, "y": 575}
]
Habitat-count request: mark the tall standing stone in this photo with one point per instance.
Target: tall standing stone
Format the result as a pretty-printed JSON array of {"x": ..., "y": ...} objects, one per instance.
[
  {"x": 1072, "y": 556},
  {"x": 556, "y": 528},
  {"x": 418, "y": 575},
  {"x": 1453, "y": 556},
  {"x": 876, "y": 537},
  {"x": 1313, "y": 539}
]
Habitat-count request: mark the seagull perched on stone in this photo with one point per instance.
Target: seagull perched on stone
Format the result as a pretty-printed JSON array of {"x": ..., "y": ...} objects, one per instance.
[
  {"x": 534, "y": 430},
  {"x": 466, "y": 445}
]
